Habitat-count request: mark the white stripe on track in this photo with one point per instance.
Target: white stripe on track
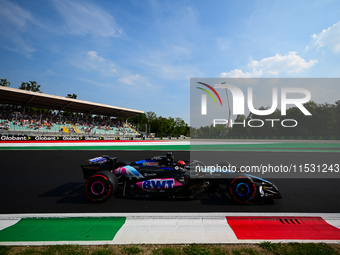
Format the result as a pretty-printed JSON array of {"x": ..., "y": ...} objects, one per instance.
[
  {"x": 139, "y": 230},
  {"x": 7, "y": 223}
]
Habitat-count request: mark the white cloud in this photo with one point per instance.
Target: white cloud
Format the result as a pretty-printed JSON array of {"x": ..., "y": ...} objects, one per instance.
[
  {"x": 329, "y": 37},
  {"x": 49, "y": 72},
  {"x": 238, "y": 73},
  {"x": 93, "y": 55},
  {"x": 291, "y": 63},
  {"x": 131, "y": 79},
  {"x": 84, "y": 18},
  {"x": 15, "y": 15},
  {"x": 15, "y": 23},
  {"x": 92, "y": 61},
  {"x": 223, "y": 44},
  {"x": 98, "y": 83},
  {"x": 138, "y": 81},
  {"x": 276, "y": 65},
  {"x": 169, "y": 61}
]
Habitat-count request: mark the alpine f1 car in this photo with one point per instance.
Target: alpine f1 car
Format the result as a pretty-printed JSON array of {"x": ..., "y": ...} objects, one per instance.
[{"x": 162, "y": 176}]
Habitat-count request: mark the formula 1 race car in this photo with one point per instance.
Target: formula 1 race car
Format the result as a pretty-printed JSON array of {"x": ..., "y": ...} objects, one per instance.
[{"x": 162, "y": 176}]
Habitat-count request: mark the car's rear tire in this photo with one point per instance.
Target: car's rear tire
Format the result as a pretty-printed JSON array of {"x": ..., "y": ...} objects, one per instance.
[
  {"x": 242, "y": 189},
  {"x": 100, "y": 186}
]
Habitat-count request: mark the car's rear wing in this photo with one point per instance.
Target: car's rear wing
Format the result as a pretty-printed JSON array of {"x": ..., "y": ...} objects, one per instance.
[{"x": 98, "y": 164}]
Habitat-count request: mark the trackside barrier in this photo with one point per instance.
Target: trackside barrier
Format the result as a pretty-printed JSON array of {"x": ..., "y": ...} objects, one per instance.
[{"x": 22, "y": 138}]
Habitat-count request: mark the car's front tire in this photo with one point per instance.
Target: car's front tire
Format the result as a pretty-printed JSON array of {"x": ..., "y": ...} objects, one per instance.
[{"x": 100, "y": 186}]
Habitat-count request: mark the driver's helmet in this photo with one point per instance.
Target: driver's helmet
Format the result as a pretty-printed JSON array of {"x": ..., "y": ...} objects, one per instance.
[
  {"x": 180, "y": 163},
  {"x": 180, "y": 166}
]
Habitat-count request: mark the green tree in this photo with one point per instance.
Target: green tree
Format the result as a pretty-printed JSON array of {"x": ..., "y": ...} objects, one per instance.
[
  {"x": 30, "y": 86},
  {"x": 181, "y": 128},
  {"x": 160, "y": 125},
  {"x": 151, "y": 116},
  {"x": 4, "y": 83},
  {"x": 238, "y": 129},
  {"x": 140, "y": 121},
  {"x": 337, "y": 110},
  {"x": 74, "y": 96}
]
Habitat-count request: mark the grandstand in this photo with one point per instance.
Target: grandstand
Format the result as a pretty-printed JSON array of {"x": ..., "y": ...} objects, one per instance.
[{"x": 14, "y": 119}]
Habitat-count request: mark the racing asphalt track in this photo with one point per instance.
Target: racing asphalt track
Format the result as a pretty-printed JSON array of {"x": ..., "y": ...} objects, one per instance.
[{"x": 51, "y": 181}]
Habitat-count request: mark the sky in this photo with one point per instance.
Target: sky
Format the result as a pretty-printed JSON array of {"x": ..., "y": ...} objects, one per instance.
[{"x": 142, "y": 54}]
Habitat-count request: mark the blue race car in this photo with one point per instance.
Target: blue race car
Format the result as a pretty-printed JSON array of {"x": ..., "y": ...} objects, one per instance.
[{"x": 162, "y": 176}]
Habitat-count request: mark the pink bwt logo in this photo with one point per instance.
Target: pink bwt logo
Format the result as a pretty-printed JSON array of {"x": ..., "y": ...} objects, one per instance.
[{"x": 167, "y": 183}]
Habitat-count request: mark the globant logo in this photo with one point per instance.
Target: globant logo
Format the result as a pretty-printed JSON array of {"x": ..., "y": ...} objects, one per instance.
[
  {"x": 71, "y": 138},
  {"x": 45, "y": 138},
  {"x": 13, "y": 138}
]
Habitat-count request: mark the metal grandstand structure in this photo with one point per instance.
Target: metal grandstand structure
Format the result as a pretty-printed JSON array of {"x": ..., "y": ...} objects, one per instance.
[
  {"x": 40, "y": 100},
  {"x": 23, "y": 98}
]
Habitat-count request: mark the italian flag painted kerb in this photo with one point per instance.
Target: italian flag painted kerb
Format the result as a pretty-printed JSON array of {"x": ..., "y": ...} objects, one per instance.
[{"x": 173, "y": 228}]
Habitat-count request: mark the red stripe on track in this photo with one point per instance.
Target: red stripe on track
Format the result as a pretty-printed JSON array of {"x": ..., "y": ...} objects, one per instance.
[{"x": 291, "y": 228}]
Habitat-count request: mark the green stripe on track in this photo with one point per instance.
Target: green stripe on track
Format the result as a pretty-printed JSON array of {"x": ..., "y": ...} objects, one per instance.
[
  {"x": 322, "y": 147},
  {"x": 277, "y": 147},
  {"x": 63, "y": 229}
]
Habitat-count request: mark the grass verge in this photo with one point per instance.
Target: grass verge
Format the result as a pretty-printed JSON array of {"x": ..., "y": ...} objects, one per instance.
[{"x": 192, "y": 249}]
